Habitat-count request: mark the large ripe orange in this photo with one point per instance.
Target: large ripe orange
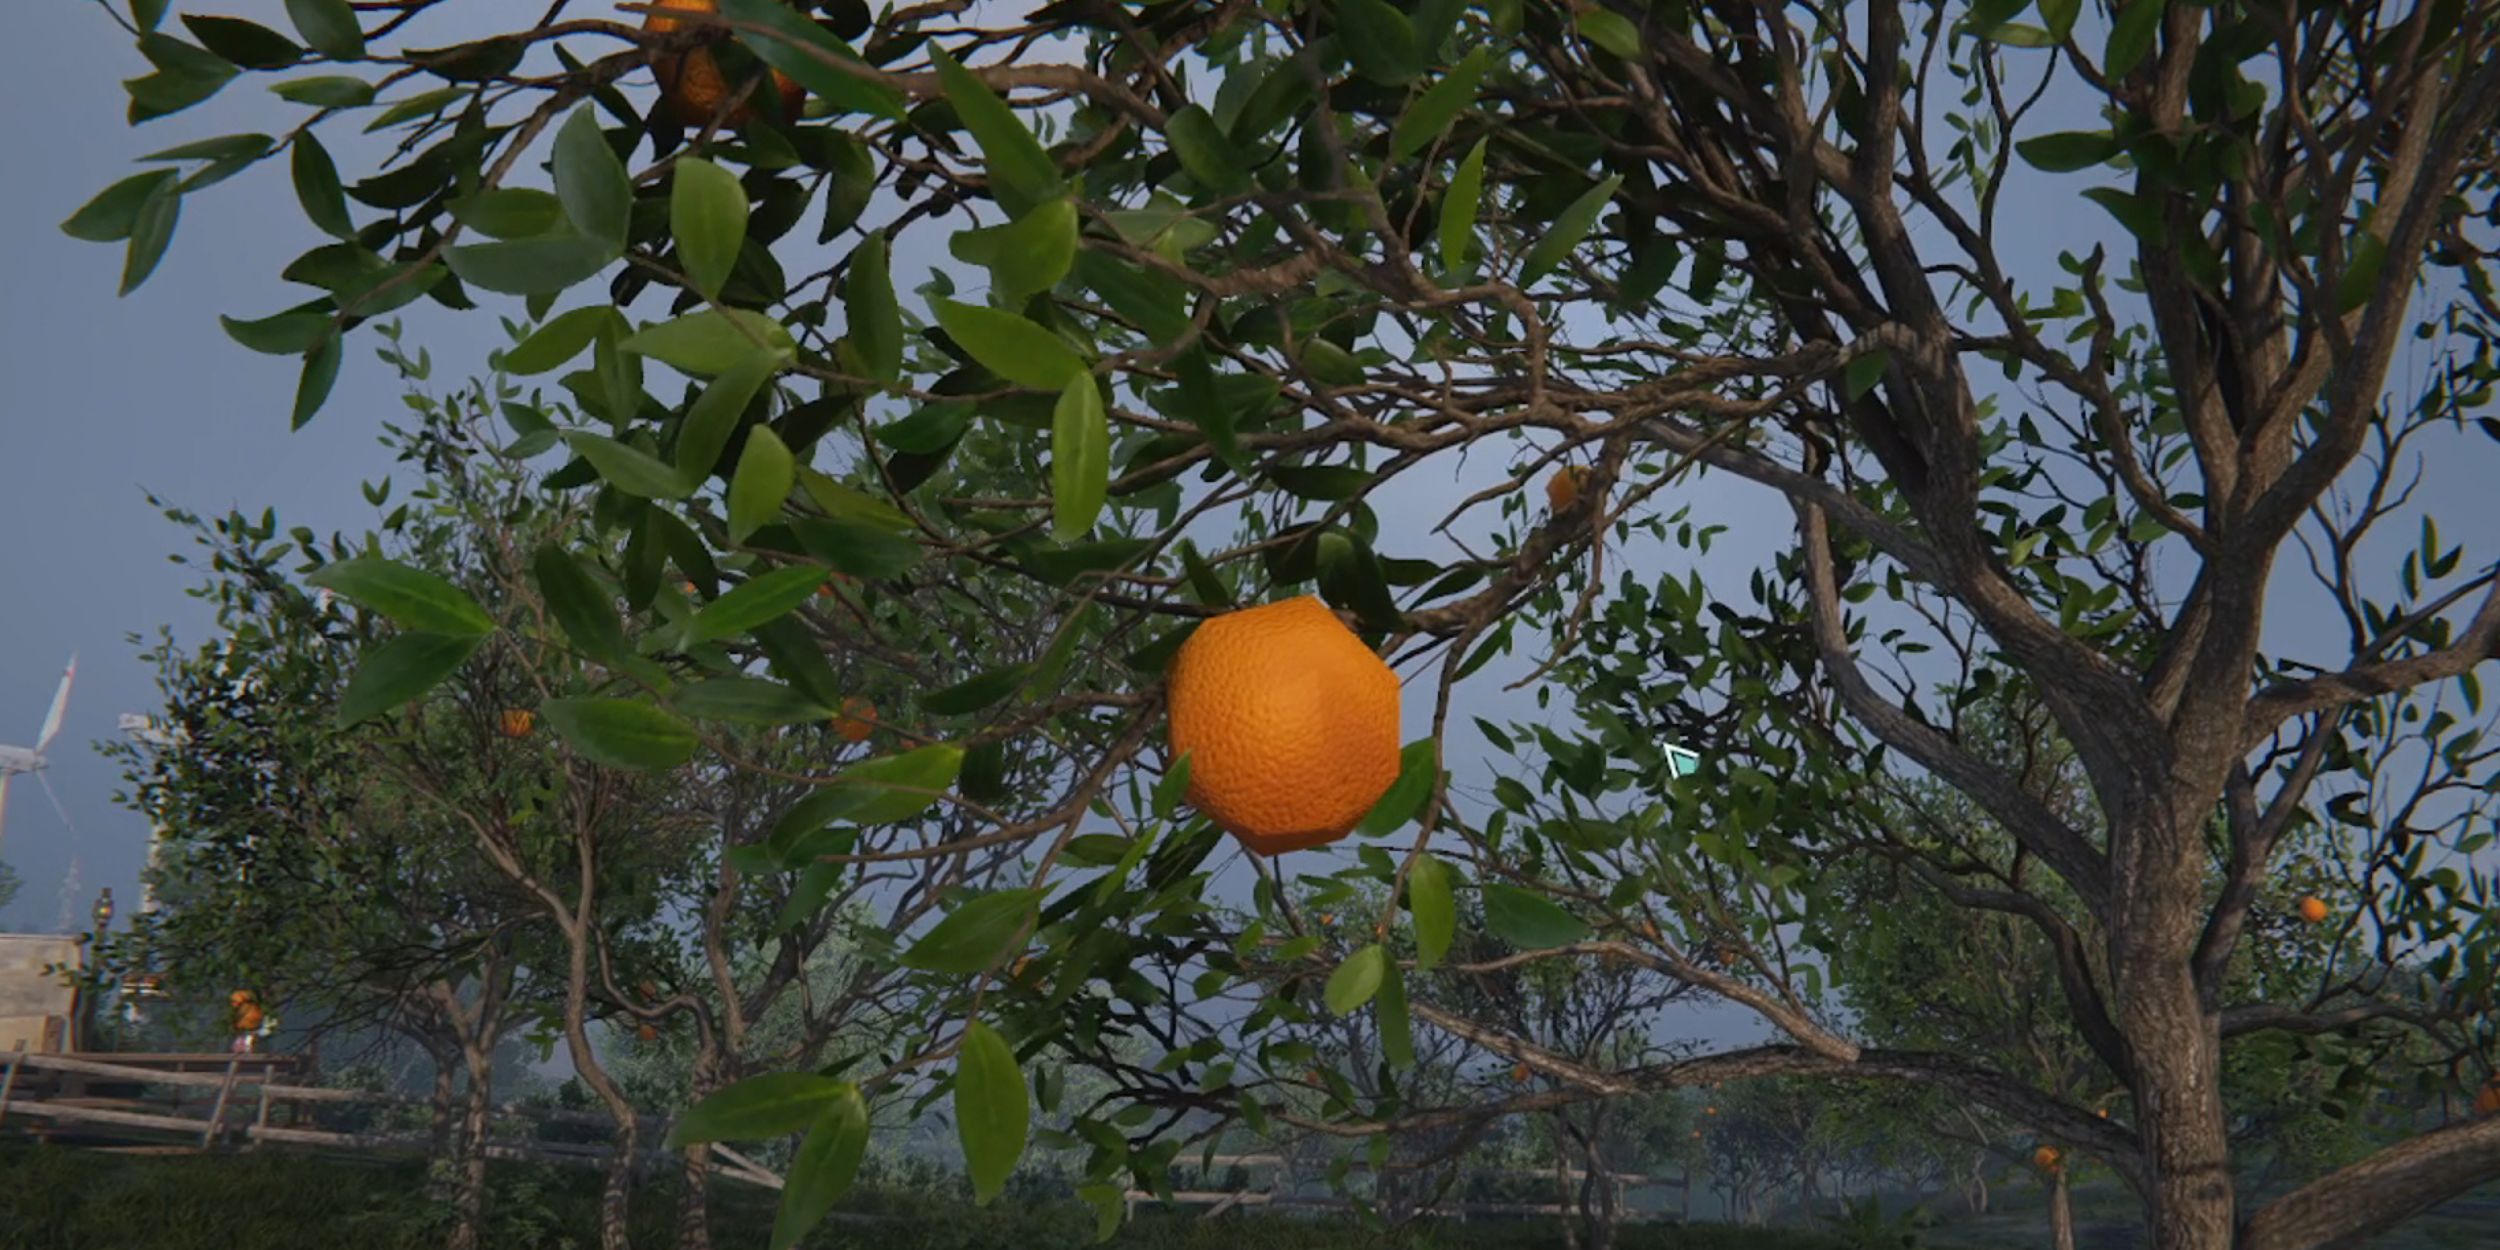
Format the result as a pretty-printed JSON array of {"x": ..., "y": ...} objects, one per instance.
[
  {"x": 2313, "y": 909},
  {"x": 692, "y": 84},
  {"x": 1290, "y": 724}
]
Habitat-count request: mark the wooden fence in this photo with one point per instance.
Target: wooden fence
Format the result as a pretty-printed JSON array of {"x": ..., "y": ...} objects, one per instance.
[
  {"x": 1278, "y": 1194},
  {"x": 103, "y": 1103}
]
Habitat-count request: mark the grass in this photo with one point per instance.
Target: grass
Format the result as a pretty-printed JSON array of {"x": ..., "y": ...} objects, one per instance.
[{"x": 54, "y": 1198}]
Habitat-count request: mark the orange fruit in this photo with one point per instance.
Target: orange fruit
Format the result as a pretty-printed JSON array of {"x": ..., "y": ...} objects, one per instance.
[
  {"x": 2045, "y": 1158},
  {"x": 857, "y": 721},
  {"x": 1563, "y": 489},
  {"x": 248, "y": 1019},
  {"x": 1519, "y": 1073},
  {"x": 691, "y": 83},
  {"x": 239, "y": 997},
  {"x": 1710, "y": 1111},
  {"x": 648, "y": 989},
  {"x": 2487, "y": 1100},
  {"x": 2313, "y": 909},
  {"x": 2104, "y": 1113},
  {"x": 647, "y": 1033},
  {"x": 1290, "y": 724},
  {"x": 516, "y": 722}
]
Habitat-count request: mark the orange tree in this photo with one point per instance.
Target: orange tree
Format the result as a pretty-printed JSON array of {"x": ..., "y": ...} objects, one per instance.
[{"x": 1251, "y": 272}]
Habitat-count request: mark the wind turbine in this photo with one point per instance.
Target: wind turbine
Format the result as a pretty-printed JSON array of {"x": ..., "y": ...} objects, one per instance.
[{"x": 16, "y": 760}]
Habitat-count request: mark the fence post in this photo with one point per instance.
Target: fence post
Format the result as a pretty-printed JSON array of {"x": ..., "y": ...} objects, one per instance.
[
  {"x": 260, "y": 1121},
  {"x": 8, "y": 1079},
  {"x": 217, "y": 1114}
]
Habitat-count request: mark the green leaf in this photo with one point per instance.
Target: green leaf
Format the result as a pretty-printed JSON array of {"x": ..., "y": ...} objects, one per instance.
[
  {"x": 1204, "y": 152},
  {"x": 1203, "y": 405},
  {"x": 973, "y": 694},
  {"x": 317, "y": 188},
  {"x": 410, "y": 596},
  {"x": 1397, "y": 1030},
  {"x": 1528, "y": 921},
  {"x": 1021, "y": 172},
  {"x": 114, "y": 212},
  {"x": 1080, "y": 459},
  {"x": 329, "y": 26},
  {"x": 1612, "y": 31},
  {"x": 1168, "y": 791},
  {"x": 1418, "y": 768},
  {"x": 713, "y": 341},
  {"x": 849, "y": 503},
  {"x": 1379, "y": 40},
  {"x": 2068, "y": 151},
  {"x": 541, "y": 266},
  {"x": 766, "y": 472},
  {"x": 874, "y": 319},
  {"x": 2131, "y": 36},
  {"x": 858, "y": 548},
  {"x": 326, "y": 91},
  {"x": 557, "y": 341},
  {"x": 629, "y": 469},
  {"x": 775, "y": 1104},
  {"x": 591, "y": 183},
  {"x": 586, "y": 613},
  {"x": 2359, "y": 280},
  {"x": 707, "y": 212},
  {"x": 1154, "y": 301},
  {"x": 895, "y": 788},
  {"x": 151, "y": 230},
  {"x": 2060, "y": 15},
  {"x": 622, "y": 733},
  {"x": 794, "y": 46},
  {"x": 1864, "y": 372},
  {"x": 756, "y": 600},
  {"x": 992, "y": 1113},
  {"x": 281, "y": 334},
  {"x": 1033, "y": 252},
  {"x": 1570, "y": 227},
  {"x": 748, "y": 701},
  {"x": 712, "y": 419},
  {"x": 510, "y": 212},
  {"x": 1357, "y": 979},
  {"x": 1010, "y": 346},
  {"x": 1459, "y": 203},
  {"x": 400, "y": 670},
  {"x": 1430, "y": 897},
  {"x": 822, "y": 1170},
  {"x": 1432, "y": 111},
  {"x": 248, "y": 44},
  {"x": 978, "y": 934},
  {"x": 313, "y": 382}
]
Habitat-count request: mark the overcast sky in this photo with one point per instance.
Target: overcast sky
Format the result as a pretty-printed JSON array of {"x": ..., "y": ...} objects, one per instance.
[{"x": 114, "y": 396}]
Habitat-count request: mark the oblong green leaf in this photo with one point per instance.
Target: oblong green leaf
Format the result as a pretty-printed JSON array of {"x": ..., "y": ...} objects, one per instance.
[
  {"x": 771, "y": 1105},
  {"x": 408, "y": 595},
  {"x": 874, "y": 319},
  {"x": 1435, "y": 906},
  {"x": 1021, "y": 172},
  {"x": 992, "y": 1110},
  {"x": 977, "y": 934},
  {"x": 1457, "y": 227},
  {"x": 329, "y": 27},
  {"x": 973, "y": 694},
  {"x": 796, "y": 46},
  {"x": 712, "y": 420},
  {"x": 748, "y": 701},
  {"x": 756, "y": 600},
  {"x": 585, "y": 613},
  {"x": 822, "y": 1170},
  {"x": 557, "y": 341},
  {"x": 111, "y": 215},
  {"x": 765, "y": 475},
  {"x": 1432, "y": 112},
  {"x": 707, "y": 214},
  {"x": 542, "y": 266},
  {"x": 1379, "y": 40},
  {"x": 713, "y": 341},
  {"x": 1080, "y": 459},
  {"x": 400, "y": 670},
  {"x": 1357, "y": 979},
  {"x": 1570, "y": 227},
  {"x": 151, "y": 231},
  {"x": 1418, "y": 769},
  {"x": 629, "y": 469},
  {"x": 895, "y": 788},
  {"x": 591, "y": 183},
  {"x": 1397, "y": 1031},
  {"x": 622, "y": 733},
  {"x": 317, "y": 187},
  {"x": 1010, "y": 346},
  {"x": 1528, "y": 921}
]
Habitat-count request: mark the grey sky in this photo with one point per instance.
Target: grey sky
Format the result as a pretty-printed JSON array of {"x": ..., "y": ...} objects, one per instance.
[{"x": 116, "y": 395}]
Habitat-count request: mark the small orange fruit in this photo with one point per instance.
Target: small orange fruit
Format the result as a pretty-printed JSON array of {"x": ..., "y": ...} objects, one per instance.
[
  {"x": 1563, "y": 489},
  {"x": 691, "y": 83},
  {"x": 2487, "y": 1100},
  {"x": 1328, "y": 920},
  {"x": 648, "y": 989},
  {"x": 1519, "y": 1073},
  {"x": 2313, "y": 909},
  {"x": 647, "y": 1033},
  {"x": 1290, "y": 723},
  {"x": 516, "y": 722},
  {"x": 2045, "y": 1158},
  {"x": 2104, "y": 1113},
  {"x": 1710, "y": 1111},
  {"x": 857, "y": 721},
  {"x": 1696, "y": 1133}
]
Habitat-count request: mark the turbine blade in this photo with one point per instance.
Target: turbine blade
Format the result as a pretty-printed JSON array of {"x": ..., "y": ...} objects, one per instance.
[
  {"x": 55, "y": 796},
  {"x": 60, "y": 705}
]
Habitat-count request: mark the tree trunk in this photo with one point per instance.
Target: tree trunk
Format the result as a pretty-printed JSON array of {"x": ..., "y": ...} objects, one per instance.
[
  {"x": 2061, "y": 1212},
  {"x": 2176, "y": 1045},
  {"x": 694, "y": 1205},
  {"x": 469, "y": 1152}
]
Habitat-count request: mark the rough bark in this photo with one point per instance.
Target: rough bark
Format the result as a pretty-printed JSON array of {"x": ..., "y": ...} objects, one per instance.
[
  {"x": 469, "y": 1201},
  {"x": 2061, "y": 1212}
]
